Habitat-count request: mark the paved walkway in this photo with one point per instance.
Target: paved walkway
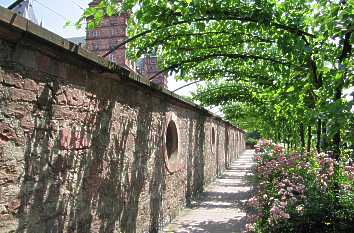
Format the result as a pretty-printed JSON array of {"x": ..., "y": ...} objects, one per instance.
[{"x": 220, "y": 210}]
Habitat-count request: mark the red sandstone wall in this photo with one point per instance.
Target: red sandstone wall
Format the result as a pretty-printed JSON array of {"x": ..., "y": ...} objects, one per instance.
[{"x": 84, "y": 151}]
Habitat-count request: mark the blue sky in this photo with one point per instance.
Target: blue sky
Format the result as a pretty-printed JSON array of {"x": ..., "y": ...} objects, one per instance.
[
  {"x": 59, "y": 11},
  {"x": 54, "y": 13}
]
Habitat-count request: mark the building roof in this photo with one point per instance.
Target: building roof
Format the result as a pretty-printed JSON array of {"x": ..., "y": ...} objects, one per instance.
[
  {"x": 78, "y": 40},
  {"x": 25, "y": 9}
]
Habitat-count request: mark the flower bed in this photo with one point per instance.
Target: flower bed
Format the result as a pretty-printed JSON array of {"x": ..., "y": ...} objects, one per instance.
[{"x": 301, "y": 193}]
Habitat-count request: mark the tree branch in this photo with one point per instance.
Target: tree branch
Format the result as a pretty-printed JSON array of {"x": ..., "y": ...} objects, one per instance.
[
  {"x": 189, "y": 49},
  {"x": 224, "y": 55},
  {"x": 266, "y": 80},
  {"x": 188, "y": 84},
  {"x": 244, "y": 19},
  {"x": 166, "y": 38}
]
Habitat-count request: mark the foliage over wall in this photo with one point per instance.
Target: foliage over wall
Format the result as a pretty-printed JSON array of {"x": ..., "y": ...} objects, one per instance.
[{"x": 277, "y": 66}]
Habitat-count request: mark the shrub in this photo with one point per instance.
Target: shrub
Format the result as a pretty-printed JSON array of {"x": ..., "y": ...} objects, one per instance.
[
  {"x": 298, "y": 193},
  {"x": 252, "y": 138}
]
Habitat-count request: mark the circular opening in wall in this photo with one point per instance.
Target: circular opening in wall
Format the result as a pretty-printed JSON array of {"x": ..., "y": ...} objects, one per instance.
[
  {"x": 171, "y": 140},
  {"x": 213, "y": 136}
]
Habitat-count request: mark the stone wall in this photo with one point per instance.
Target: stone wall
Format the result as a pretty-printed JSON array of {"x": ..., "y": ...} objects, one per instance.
[{"x": 83, "y": 142}]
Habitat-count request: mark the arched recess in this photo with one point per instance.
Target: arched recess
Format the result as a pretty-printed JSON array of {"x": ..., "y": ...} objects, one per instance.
[
  {"x": 227, "y": 148},
  {"x": 171, "y": 138},
  {"x": 212, "y": 138},
  {"x": 172, "y": 158}
]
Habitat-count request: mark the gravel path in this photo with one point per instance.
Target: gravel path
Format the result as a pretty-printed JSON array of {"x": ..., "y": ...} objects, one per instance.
[{"x": 221, "y": 207}]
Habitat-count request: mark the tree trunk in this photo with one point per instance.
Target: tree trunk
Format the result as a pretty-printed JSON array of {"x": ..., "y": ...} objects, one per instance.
[
  {"x": 346, "y": 51},
  {"x": 336, "y": 137},
  {"x": 309, "y": 139},
  {"x": 302, "y": 137},
  {"x": 318, "y": 139},
  {"x": 291, "y": 143},
  {"x": 324, "y": 139}
]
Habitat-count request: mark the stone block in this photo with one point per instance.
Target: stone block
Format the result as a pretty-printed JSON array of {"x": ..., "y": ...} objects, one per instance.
[
  {"x": 30, "y": 85},
  {"x": 13, "y": 206},
  {"x": 21, "y": 95},
  {"x": 2, "y": 74},
  {"x": 65, "y": 138},
  {"x": 61, "y": 99},
  {"x": 13, "y": 153},
  {"x": 7, "y": 133},
  {"x": 27, "y": 123},
  {"x": 16, "y": 109},
  {"x": 8, "y": 177},
  {"x": 13, "y": 79},
  {"x": 63, "y": 113},
  {"x": 74, "y": 97},
  {"x": 3, "y": 209},
  {"x": 88, "y": 118},
  {"x": 70, "y": 139}
]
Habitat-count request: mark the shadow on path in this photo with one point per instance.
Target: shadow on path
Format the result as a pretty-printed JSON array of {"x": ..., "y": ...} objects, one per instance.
[{"x": 221, "y": 208}]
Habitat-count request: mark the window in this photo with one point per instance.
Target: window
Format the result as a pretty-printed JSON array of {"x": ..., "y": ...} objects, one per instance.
[
  {"x": 171, "y": 140},
  {"x": 112, "y": 43},
  {"x": 111, "y": 57},
  {"x": 105, "y": 22},
  {"x": 95, "y": 33},
  {"x": 122, "y": 19},
  {"x": 153, "y": 60},
  {"x": 94, "y": 45},
  {"x": 121, "y": 31},
  {"x": 113, "y": 21},
  {"x": 114, "y": 32}
]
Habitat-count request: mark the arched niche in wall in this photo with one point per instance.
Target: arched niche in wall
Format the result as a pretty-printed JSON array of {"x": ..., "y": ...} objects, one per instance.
[
  {"x": 173, "y": 161},
  {"x": 212, "y": 138},
  {"x": 227, "y": 147},
  {"x": 227, "y": 141},
  {"x": 171, "y": 138}
]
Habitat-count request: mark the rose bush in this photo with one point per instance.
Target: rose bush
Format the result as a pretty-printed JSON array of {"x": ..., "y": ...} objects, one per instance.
[{"x": 301, "y": 193}]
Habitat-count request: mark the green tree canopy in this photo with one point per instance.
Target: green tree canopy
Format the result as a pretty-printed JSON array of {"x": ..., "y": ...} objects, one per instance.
[{"x": 276, "y": 66}]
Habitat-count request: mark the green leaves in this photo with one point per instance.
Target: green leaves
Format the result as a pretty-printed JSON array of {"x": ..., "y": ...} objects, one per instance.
[
  {"x": 67, "y": 23},
  {"x": 290, "y": 89},
  {"x": 338, "y": 76},
  {"x": 109, "y": 10},
  {"x": 266, "y": 63}
]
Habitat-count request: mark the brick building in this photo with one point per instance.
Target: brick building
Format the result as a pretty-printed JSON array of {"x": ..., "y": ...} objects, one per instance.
[{"x": 111, "y": 32}]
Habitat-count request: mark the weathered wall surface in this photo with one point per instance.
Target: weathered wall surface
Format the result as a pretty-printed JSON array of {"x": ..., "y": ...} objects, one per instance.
[{"x": 83, "y": 146}]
